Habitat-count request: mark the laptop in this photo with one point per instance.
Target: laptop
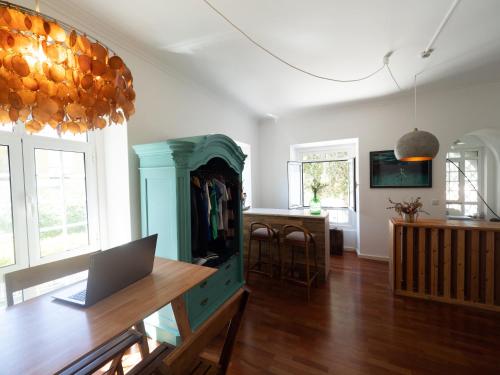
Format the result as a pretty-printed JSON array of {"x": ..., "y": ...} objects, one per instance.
[{"x": 111, "y": 271}]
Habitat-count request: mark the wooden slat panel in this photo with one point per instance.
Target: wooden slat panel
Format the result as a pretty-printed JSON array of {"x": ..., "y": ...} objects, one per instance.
[
  {"x": 421, "y": 260},
  {"x": 461, "y": 265},
  {"x": 409, "y": 259},
  {"x": 398, "y": 258},
  {"x": 434, "y": 261},
  {"x": 474, "y": 266},
  {"x": 447, "y": 264},
  {"x": 452, "y": 264},
  {"x": 392, "y": 247},
  {"x": 490, "y": 268}
]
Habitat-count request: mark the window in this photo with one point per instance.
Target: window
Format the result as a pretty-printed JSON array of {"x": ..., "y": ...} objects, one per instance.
[
  {"x": 247, "y": 173},
  {"x": 48, "y": 198},
  {"x": 461, "y": 197},
  {"x": 332, "y": 165},
  {"x": 7, "y": 257},
  {"x": 335, "y": 175}
]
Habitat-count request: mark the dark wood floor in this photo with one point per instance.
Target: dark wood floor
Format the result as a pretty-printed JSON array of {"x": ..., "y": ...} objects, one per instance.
[{"x": 353, "y": 325}]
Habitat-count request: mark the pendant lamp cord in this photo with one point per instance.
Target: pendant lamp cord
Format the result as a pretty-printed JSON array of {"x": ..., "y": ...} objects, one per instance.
[
  {"x": 385, "y": 60},
  {"x": 415, "y": 99},
  {"x": 471, "y": 184}
]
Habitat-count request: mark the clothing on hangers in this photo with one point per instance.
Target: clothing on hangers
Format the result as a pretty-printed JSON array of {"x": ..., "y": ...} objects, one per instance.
[{"x": 213, "y": 213}]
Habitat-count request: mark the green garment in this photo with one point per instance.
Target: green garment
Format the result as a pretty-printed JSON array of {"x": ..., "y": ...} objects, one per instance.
[{"x": 214, "y": 212}]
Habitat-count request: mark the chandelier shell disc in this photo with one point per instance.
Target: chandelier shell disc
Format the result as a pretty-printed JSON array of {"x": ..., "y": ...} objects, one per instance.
[{"x": 53, "y": 75}]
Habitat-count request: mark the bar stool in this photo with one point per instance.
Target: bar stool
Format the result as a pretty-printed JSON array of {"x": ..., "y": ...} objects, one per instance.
[
  {"x": 297, "y": 237},
  {"x": 263, "y": 233}
]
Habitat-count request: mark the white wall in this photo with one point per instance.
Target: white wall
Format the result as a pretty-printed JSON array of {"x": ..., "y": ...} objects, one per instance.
[
  {"x": 378, "y": 124},
  {"x": 491, "y": 139},
  {"x": 170, "y": 107},
  {"x": 113, "y": 185}
]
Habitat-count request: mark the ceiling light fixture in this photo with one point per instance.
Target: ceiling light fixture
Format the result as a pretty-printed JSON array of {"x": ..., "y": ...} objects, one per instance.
[
  {"x": 417, "y": 145},
  {"x": 52, "y": 74}
]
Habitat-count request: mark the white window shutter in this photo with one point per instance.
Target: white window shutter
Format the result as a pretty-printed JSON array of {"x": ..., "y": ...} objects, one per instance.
[
  {"x": 295, "y": 199},
  {"x": 352, "y": 184}
]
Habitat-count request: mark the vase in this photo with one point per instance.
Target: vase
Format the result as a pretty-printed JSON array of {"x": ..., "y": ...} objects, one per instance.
[
  {"x": 409, "y": 218},
  {"x": 315, "y": 206}
]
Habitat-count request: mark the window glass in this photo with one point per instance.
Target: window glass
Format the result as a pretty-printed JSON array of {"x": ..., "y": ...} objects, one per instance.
[
  {"x": 470, "y": 210},
  {"x": 471, "y": 154},
  {"x": 454, "y": 209},
  {"x": 6, "y": 227},
  {"x": 452, "y": 182},
  {"x": 335, "y": 177},
  {"x": 62, "y": 201}
]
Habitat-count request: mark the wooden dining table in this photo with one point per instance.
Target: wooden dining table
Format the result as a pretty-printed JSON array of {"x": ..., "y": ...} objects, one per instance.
[{"x": 44, "y": 336}]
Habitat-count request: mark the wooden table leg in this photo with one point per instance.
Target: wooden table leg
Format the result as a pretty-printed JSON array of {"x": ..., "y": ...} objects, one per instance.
[
  {"x": 181, "y": 317},
  {"x": 143, "y": 345}
]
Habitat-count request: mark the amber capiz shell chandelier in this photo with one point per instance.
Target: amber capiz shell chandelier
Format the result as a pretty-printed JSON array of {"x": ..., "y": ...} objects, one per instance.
[{"x": 53, "y": 75}]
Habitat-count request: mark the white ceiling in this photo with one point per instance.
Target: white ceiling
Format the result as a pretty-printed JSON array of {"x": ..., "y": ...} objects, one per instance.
[{"x": 343, "y": 39}]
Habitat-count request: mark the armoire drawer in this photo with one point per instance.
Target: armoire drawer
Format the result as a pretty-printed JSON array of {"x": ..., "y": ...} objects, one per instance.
[
  {"x": 230, "y": 274},
  {"x": 212, "y": 292}
]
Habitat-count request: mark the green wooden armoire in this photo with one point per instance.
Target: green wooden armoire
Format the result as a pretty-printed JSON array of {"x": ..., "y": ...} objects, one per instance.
[{"x": 167, "y": 170}]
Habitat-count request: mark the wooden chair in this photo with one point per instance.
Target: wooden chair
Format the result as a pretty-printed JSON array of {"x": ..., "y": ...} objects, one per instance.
[
  {"x": 297, "y": 237},
  {"x": 263, "y": 234},
  {"x": 112, "y": 351},
  {"x": 185, "y": 359}
]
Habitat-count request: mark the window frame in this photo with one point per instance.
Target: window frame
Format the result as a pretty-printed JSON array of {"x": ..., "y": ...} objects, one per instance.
[
  {"x": 463, "y": 182},
  {"x": 30, "y": 145},
  {"x": 297, "y": 153},
  {"x": 22, "y": 148},
  {"x": 18, "y": 203}
]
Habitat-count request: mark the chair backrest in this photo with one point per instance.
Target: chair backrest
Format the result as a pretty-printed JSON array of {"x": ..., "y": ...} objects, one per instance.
[
  {"x": 180, "y": 360},
  {"x": 29, "y": 277},
  {"x": 287, "y": 229},
  {"x": 256, "y": 225}
]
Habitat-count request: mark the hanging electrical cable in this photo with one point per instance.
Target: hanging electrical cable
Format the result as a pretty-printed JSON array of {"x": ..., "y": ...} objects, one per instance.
[{"x": 385, "y": 60}]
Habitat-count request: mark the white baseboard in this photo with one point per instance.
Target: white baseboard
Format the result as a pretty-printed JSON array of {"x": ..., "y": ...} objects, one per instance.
[
  {"x": 364, "y": 256},
  {"x": 374, "y": 257}
]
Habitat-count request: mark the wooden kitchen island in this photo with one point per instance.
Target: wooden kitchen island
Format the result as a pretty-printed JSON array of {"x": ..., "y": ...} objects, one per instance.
[
  {"x": 277, "y": 218},
  {"x": 450, "y": 261}
]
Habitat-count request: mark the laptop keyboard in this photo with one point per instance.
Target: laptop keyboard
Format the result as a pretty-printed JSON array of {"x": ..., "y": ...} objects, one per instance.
[{"x": 80, "y": 296}]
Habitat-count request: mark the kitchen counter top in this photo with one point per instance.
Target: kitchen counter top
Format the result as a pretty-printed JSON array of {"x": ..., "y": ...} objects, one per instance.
[{"x": 304, "y": 213}]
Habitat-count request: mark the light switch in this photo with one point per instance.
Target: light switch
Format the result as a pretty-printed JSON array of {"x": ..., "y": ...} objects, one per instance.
[{"x": 435, "y": 202}]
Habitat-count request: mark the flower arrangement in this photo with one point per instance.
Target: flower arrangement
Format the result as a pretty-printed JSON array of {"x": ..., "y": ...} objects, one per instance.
[
  {"x": 408, "y": 210},
  {"x": 316, "y": 187}
]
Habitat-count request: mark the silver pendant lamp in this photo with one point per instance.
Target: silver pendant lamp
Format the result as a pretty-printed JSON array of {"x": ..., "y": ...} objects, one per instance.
[{"x": 417, "y": 145}]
